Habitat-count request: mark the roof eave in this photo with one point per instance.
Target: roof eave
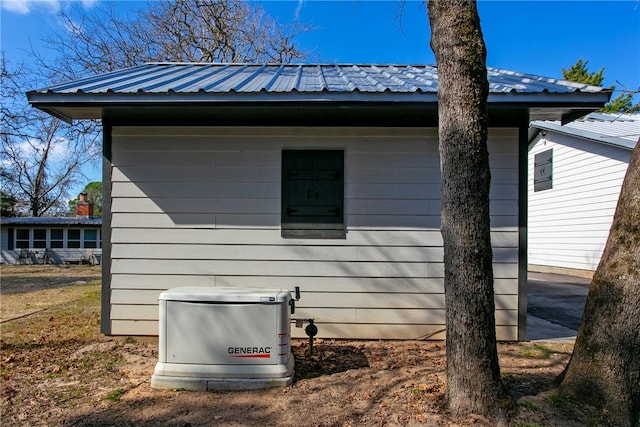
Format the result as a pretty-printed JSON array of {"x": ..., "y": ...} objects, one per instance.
[
  {"x": 538, "y": 126},
  {"x": 542, "y": 105}
]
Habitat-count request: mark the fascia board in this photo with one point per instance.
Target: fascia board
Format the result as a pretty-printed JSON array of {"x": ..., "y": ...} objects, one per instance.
[
  {"x": 580, "y": 133},
  {"x": 531, "y": 98},
  {"x": 54, "y": 103}
]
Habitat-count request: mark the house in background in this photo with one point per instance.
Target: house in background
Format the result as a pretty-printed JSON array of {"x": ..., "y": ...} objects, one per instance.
[
  {"x": 324, "y": 177},
  {"x": 575, "y": 175},
  {"x": 52, "y": 240}
]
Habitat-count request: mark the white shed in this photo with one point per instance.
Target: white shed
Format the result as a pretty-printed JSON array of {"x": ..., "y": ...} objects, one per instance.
[
  {"x": 575, "y": 175},
  {"x": 324, "y": 177}
]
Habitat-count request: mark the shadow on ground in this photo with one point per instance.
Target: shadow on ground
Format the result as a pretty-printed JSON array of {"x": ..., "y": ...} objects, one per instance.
[{"x": 327, "y": 359}]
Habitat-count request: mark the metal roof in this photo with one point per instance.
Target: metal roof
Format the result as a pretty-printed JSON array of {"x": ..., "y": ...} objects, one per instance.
[
  {"x": 185, "y": 78},
  {"x": 171, "y": 83},
  {"x": 51, "y": 221},
  {"x": 620, "y": 130}
]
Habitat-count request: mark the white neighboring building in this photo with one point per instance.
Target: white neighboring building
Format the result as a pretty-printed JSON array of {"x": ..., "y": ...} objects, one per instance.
[{"x": 575, "y": 173}]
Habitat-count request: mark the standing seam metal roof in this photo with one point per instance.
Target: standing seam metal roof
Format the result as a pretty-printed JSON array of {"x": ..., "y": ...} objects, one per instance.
[
  {"x": 621, "y": 130},
  {"x": 164, "y": 78}
]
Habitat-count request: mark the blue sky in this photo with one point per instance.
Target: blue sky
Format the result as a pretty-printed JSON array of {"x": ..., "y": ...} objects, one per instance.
[{"x": 536, "y": 37}]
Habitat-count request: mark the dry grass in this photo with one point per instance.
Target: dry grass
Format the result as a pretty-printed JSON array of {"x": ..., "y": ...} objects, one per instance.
[{"x": 57, "y": 369}]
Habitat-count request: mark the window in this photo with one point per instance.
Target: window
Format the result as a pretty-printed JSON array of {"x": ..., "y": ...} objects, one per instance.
[
  {"x": 40, "y": 238},
  {"x": 313, "y": 194},
  {"x": 90, "y": 238},
  {"x": 57, "y": 238},
  {"x": 22, "y": 238},
  {"x": 73, "y": 238},
  {"x": 542, "y": 171}
]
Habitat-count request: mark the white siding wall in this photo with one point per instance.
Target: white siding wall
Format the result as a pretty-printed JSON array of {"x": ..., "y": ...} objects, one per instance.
[
  {"x": 201, "y": 206},
  {"x": 6, "y": 256},
  {"x": 569, "y": 223}
]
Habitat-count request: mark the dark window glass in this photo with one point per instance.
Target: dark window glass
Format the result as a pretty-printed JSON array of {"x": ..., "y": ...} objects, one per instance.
[
  {"x": 56, "y": 240},
  {"x": 313, "y": 194},
  {"x": 22, "y": 244},
  {"x": 73, "y": 238},
  {"x": 22, "y": 238},
  {"x": 39, "y": 238},
  {"x": 90, "y": 238}
]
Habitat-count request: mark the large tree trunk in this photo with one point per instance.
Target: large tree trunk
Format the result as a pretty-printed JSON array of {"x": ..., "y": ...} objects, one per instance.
[
  {"x": 604, "y": 369},
  {"x": 473, "y": 373}
]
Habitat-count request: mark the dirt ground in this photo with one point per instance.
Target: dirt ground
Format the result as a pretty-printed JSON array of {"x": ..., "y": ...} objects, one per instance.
[{"x": 58, "y": 370}]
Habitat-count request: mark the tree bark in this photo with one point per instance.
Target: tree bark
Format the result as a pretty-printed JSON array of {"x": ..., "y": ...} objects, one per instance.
[
  {"x": 604, "y": 369},
  {"x": 473, "y": 373}
]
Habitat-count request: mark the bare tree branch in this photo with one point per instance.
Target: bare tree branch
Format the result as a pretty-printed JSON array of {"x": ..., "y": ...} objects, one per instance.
[
  {"x": 100, "y": 40},
  {"x": 40, "y": 155}
]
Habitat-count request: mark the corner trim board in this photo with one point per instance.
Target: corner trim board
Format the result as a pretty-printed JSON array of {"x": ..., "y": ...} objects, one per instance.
[{"x": 105, "y": 316}]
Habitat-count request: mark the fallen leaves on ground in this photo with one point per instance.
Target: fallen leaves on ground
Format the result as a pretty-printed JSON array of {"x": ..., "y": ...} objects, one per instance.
[{"x": 58, "y": 370}]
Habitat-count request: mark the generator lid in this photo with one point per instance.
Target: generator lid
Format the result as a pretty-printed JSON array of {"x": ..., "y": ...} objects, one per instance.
[{"x": 226, "y": 295}]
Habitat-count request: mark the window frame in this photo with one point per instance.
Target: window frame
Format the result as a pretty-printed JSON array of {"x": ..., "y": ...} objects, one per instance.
[
  {"x": 54, "y": 238},
  {"x": 39, "y": 238},
  {"x": 95, "y": 241},
  {"x": 79, "y": 239},
  {"x": 54, "y": 241},
  {"x": 324, "y": 175},
  {"x": 19, "y": 241}
]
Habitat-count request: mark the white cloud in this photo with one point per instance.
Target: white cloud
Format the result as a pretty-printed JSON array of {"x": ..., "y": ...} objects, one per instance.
[
  {"x": 296, "y": 14},
  {"x": 25, "y": 7},
  {"x": 31, "y": 151},
  {"x": 17, "y": 6}
]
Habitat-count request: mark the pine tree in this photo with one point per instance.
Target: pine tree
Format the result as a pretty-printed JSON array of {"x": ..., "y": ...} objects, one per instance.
[{"x": 579, "y": 73}]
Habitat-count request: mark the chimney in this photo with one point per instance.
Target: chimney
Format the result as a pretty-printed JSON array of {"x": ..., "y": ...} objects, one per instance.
[{"x": 84, "y": 209}]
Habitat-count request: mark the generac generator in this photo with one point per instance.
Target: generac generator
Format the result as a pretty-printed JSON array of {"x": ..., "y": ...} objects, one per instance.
[{"x": 224, "y": 339}]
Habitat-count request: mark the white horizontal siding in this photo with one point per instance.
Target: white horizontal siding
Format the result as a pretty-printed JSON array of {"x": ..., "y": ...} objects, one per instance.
[
  {"x": 430, "y": 285},
  {"x": 292, "y": 253},
  {"x": 416, "y": 316},
  {"x": 142, "y": 234},
  {"x": 6, "y": 256},
  {"x": 568, "y": 258},
  {"x": 345, "y": 330},
  {"x": 352, "y": 300},
  {"x": 390, "y": 191},
  {"x": 4, "y": 238},
  {"x": 201, "y": 207},
  {"x": 569, "y": 223},
  {"x": 280, "y": 268}
]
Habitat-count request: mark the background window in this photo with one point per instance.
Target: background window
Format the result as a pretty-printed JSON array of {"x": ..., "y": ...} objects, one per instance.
[
  {"x": 90, "y": 238},
  {"x": 313, "y": 194},
  {"x": 22, "y": 238},
  {"x": 57, "y": 238},
  {"x": 40, "y": 238},
  {"x": 73, "y": 238}
]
